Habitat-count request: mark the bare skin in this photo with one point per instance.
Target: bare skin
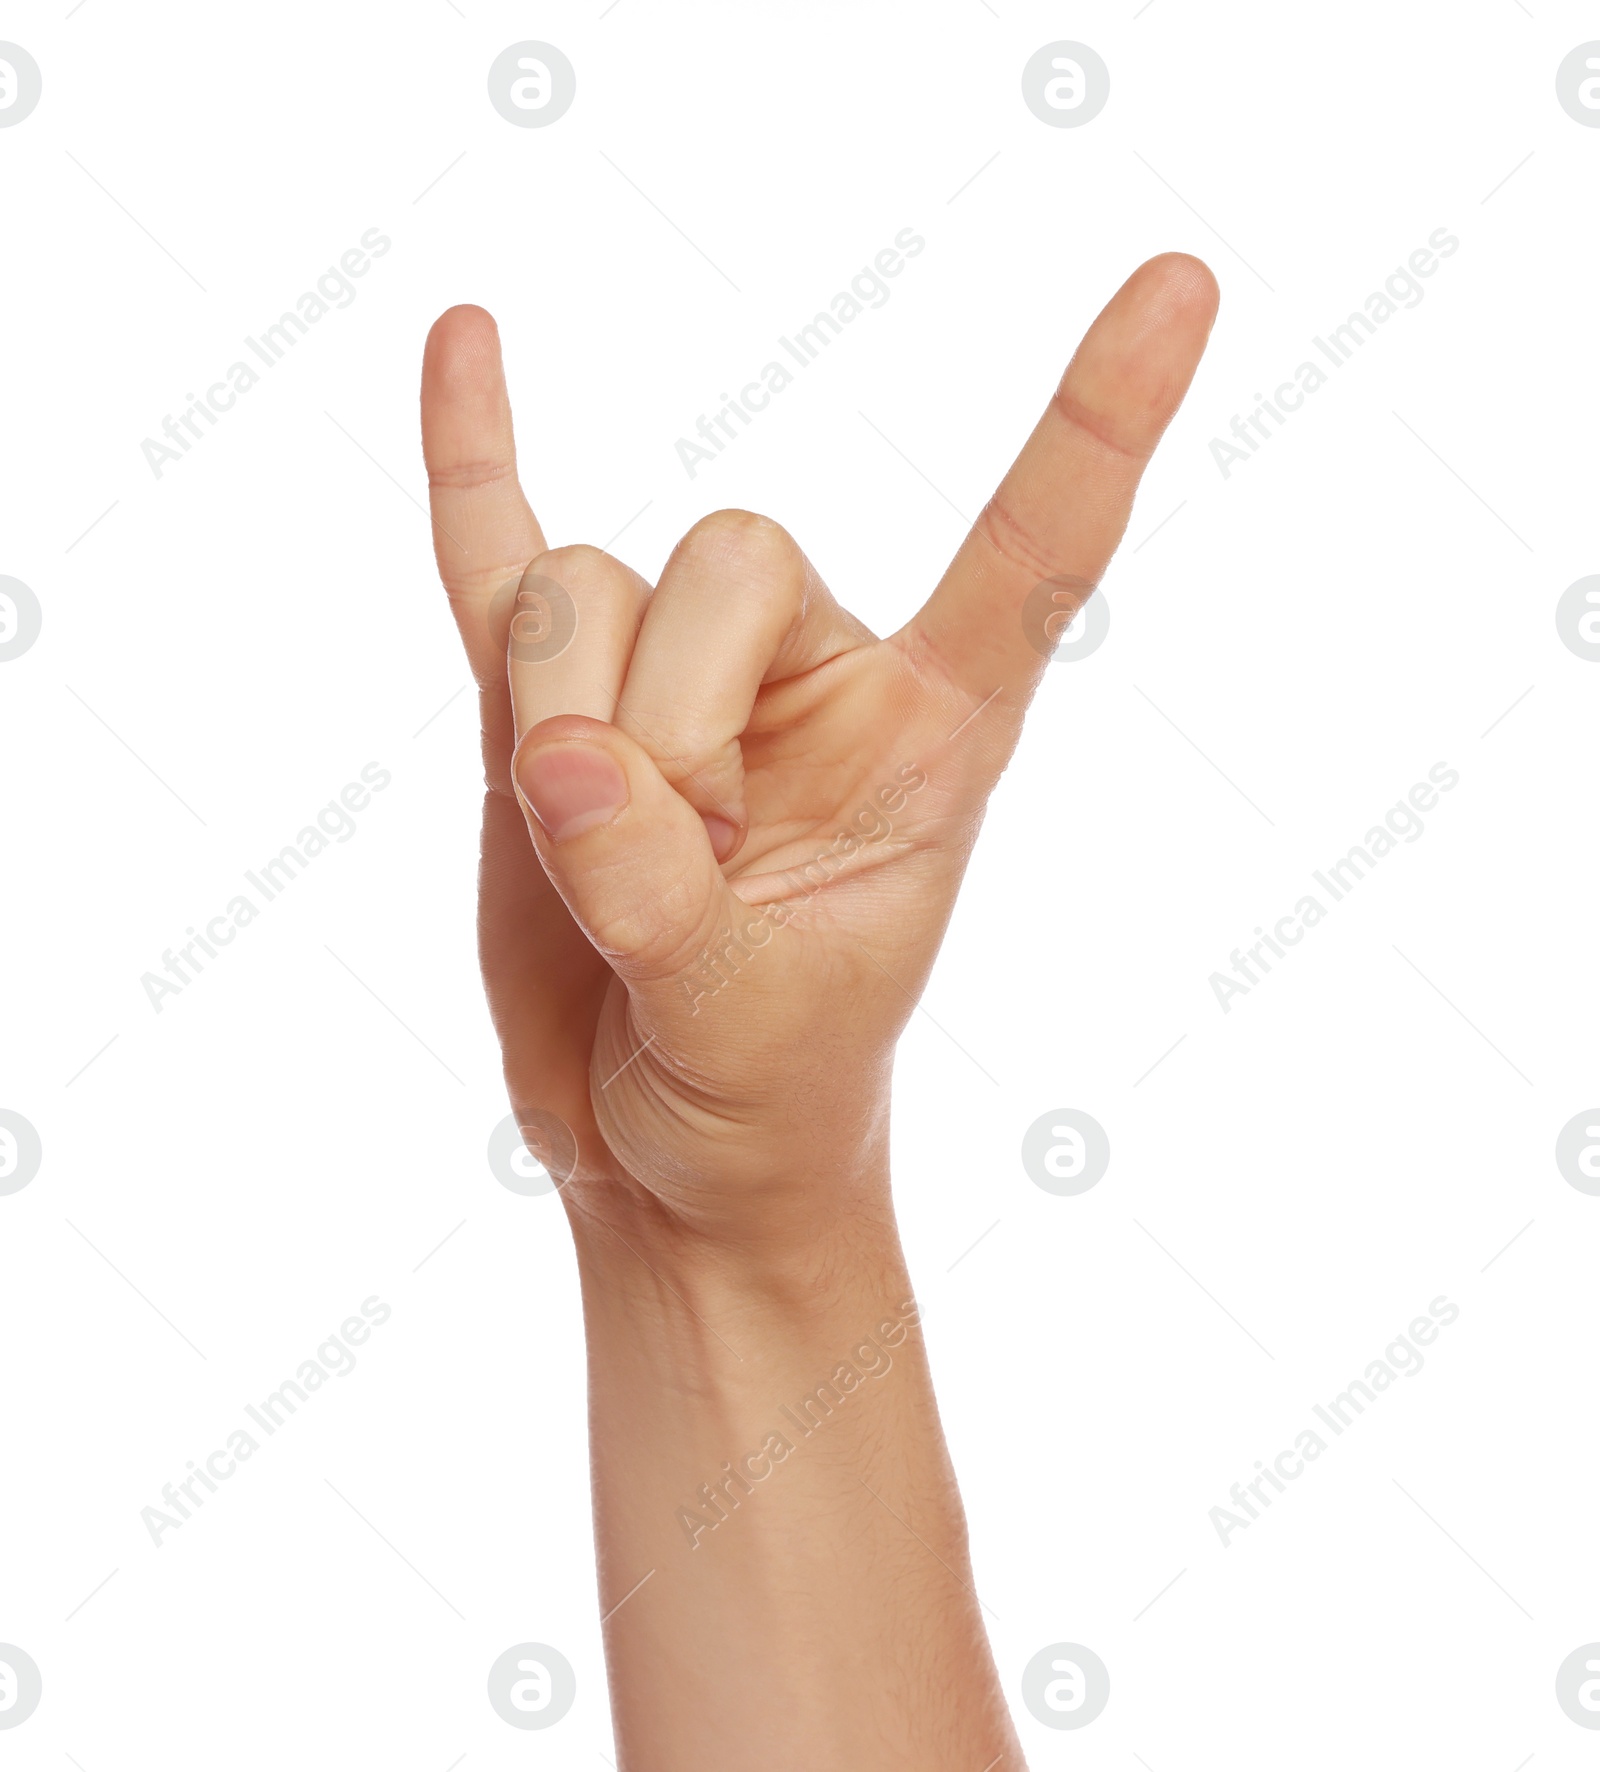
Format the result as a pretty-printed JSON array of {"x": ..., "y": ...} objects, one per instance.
[{"x": 723, "y": 834}]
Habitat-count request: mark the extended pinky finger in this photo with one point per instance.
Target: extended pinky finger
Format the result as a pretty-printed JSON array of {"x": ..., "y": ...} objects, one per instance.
[{"x": 484, "y": 533}]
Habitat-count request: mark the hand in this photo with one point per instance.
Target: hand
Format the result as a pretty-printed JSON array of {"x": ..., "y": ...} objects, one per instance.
[
  {"x": 723, "y": 833},
  {"x": 725, "y": 825}
]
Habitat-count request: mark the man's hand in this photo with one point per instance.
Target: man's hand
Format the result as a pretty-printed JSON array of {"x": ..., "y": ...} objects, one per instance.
[
  {"x": 724, "y": 830},
  {"x": 725, "y": 825}
]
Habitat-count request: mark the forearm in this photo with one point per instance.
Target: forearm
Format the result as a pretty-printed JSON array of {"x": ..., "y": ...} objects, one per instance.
[{"x": 768, "y": 1463}]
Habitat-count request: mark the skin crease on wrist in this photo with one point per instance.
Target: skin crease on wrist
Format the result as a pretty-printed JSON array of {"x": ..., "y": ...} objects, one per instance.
[{"x": 723, "y": 832}]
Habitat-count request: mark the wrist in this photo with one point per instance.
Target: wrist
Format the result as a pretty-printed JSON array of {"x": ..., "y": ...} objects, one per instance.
[{"x": 707, "y": 1308}]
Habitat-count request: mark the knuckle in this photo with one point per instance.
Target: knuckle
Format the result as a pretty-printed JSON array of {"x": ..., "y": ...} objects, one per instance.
[
  {"x": 758, "y": 557},
  {"x": 590, "y": 577},
  {"x": 575, "y": 567},
  {"x": 1097, "y": 427},
  {"x": 742, "y": 537},
  {"x": 1013, "y": 540},
  {"x": 732, "y": 520},
  {"x": 655, "y": 937},
  {"x": 705, "y": 768},
  {"x": 469, "y": 476}
]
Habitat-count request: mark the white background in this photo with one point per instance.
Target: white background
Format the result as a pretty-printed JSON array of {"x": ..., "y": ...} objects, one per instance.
[{"x": 229, "y": 644}]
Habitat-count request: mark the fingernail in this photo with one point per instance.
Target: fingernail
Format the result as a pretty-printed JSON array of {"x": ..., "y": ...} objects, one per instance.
[
  {"x": 571, "y": 788},
  {"x": 723, "y": 832}
]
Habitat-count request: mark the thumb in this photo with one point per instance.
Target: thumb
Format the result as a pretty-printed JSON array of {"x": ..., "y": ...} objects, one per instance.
[{"x": 629, "y": 855}]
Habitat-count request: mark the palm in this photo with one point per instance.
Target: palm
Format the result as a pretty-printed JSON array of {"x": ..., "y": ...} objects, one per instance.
[{"x": 861, "y": 808}]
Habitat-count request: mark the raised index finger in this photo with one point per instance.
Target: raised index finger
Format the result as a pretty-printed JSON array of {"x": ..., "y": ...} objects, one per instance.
[{"x": 1061, "y": 510}]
